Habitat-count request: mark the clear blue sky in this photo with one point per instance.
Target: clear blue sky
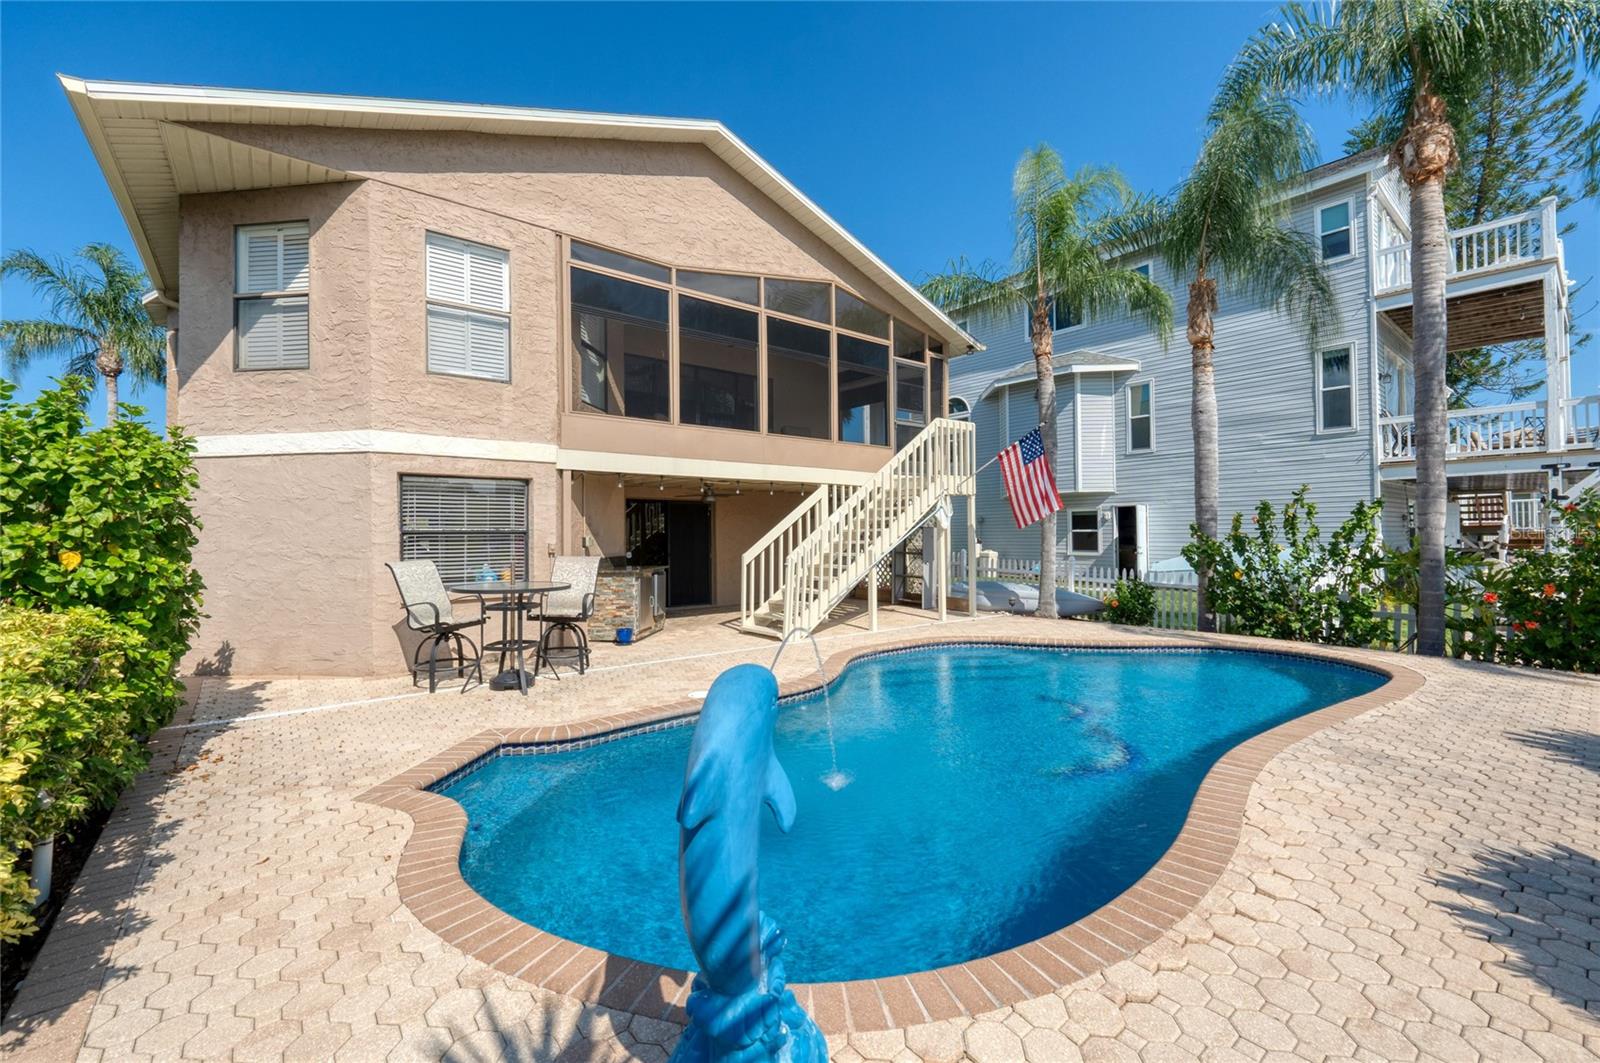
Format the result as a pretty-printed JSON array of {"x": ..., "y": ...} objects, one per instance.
[{"x": 901, "y": 120}]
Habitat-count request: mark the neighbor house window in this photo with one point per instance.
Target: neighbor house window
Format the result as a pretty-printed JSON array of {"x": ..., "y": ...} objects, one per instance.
[
  {"x": 718, "y": 361},
  {"x": 1141, "y": 421},
  {"x": 959, "y": 410},
  {"x": 619, "y": 336},
  {"x": 470, "y": 528},
  {"x": 1335, "y": 390},
  {"x": 272, "y": 310},
  {"x": 1143, "y": 269},
  {"x": 1083, "y": 531},
  {"x": 1333, "y": 227},
  {"x": 469, "y": 309},
  {"x": 1062, "y": 314}
]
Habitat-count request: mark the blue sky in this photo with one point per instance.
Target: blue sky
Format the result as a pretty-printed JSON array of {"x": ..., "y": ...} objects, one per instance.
[{"x": 903, "y": 121}]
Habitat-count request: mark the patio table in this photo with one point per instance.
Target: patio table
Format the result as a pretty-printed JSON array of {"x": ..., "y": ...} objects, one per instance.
[{"x": 512, "y": 599}]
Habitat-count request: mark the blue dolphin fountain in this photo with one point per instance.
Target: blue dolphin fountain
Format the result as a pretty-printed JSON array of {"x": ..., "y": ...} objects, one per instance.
[{"x": 740, "y": 1009}]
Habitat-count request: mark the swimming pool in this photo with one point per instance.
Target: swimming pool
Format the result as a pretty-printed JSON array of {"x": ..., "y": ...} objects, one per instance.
[{"x": 997, "y": 794}]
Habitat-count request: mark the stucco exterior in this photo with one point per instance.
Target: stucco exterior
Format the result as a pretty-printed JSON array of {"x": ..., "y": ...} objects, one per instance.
[{"x": 299, "y": 522}]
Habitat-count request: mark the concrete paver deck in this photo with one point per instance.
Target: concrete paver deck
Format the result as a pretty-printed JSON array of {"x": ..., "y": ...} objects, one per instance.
[{"x": 1419, "y": 882}]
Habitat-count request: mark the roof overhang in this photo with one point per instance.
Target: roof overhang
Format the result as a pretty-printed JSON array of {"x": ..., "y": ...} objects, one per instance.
[
  {"x": 1028, "y": 376},
  {"x": 139, "y": 135}
]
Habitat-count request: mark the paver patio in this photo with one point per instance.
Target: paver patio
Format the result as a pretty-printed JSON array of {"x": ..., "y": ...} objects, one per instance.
[{"x": 1419, "y": 882}]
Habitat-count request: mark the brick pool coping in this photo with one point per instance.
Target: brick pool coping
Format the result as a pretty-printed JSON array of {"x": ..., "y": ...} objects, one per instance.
[{"x": 431, "y": 887}]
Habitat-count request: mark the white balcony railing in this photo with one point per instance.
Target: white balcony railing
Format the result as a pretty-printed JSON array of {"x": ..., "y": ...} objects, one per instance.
[
  {"x": 1526, "y": 237},
  {"x": 1524, "y": 515},
  {"x": 1519, "y": 427},
  {"x": 1581, "y": 417}
]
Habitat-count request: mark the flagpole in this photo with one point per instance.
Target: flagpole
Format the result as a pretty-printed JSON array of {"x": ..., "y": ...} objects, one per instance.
[{"x": 996, "y": 458}]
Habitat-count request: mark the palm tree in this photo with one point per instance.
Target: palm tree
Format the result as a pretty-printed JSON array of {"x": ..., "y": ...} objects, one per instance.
[
  {"x": 1421, "y": 62},
  {"x": 1061, "y": 226},
  {"x": 97, "y": 325},
  {"x": 1227, "y": 219}
]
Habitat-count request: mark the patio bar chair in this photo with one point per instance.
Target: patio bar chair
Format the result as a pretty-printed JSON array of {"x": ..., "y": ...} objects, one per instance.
[
  {"x": 431, "y": 613},
  {"x": 569, "y": 610}
]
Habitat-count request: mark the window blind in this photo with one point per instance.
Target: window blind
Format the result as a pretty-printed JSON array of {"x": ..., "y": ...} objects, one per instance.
[
  {"x": 471, "y": 336},
  {"x": 274, "y": 333},
  {"x": 465, "y": 525}
]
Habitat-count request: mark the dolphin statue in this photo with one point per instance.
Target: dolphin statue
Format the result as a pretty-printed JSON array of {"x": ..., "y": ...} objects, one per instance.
[{"x": 740, "y": 1009}]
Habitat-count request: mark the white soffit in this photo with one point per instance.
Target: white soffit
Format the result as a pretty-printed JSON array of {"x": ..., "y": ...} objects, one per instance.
[{"x": 122, "y": 122}]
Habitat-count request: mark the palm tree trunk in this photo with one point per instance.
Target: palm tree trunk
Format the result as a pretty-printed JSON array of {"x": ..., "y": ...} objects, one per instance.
[
  {"x": 109, "y": 362},
  {"x": 1426, "y": 151},
  {"x": 1203, "y": 422},
  {"x": 1045, "y": 374}
]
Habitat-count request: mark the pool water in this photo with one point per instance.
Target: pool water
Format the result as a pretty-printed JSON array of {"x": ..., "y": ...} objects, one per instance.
[{"x": 997, "y": 794}]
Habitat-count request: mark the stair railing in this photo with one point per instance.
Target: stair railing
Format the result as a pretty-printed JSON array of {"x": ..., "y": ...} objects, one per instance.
[
  {"x": 866, "y": 526},
  {"x": 761, "y": 568}
]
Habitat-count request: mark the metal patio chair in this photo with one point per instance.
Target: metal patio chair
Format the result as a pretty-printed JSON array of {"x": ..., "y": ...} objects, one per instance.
[
  {"x": 570, "y": 610},
  {"x": 431, "y": 613}
]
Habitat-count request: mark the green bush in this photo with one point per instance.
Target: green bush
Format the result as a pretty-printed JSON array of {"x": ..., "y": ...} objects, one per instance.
[
  {"x": 1543, "y": 608},
  {"x": 67, "y": 740},
  {"x": 1132, "y": 602},
  {"x": 1296, "y": 587},
  {"x": 101, "y": 518}
]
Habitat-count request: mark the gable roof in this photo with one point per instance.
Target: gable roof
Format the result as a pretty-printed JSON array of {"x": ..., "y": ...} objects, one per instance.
[
  {"x": 1079, "y": 361},
  {"x": 149, "y": 155}
]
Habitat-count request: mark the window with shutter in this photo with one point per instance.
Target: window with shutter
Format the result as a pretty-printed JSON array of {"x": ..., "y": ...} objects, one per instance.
[
  {"x": 272, "y": 312},
  {"x": 468, "y": 527},
  {"x": 469, "y": 303}
]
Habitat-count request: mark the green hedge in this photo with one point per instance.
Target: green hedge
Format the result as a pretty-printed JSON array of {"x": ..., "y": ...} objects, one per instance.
[
  {"x": 98, "y": 601},
  {"x": 101, "y": 518},
  {"x": 67, "y": 716}
]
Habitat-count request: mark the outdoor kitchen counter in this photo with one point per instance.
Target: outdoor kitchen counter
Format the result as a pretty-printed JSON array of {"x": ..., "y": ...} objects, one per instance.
[{"x": 628, "y": 596}]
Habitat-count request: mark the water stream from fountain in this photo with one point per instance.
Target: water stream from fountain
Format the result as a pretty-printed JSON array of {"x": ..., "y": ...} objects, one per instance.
[{"x": 834, "y": 779}]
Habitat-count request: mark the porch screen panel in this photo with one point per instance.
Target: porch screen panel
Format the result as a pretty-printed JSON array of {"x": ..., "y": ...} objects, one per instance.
[{"x": 464, "y": 524}]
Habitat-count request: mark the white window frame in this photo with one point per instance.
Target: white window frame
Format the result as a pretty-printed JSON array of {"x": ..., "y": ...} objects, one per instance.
[
  {"x": 468, "y": 309},
  {"x": 1099, "y": 533},
  {"x": 1350, "y": 226},
  {"x": 966, "y": 408},
  {"x": 293, "y": 294},
  {"x": 1148, "y": 265},
  {"x": 1143, "y": 382},
  {"x": 1316, "y": 367}
]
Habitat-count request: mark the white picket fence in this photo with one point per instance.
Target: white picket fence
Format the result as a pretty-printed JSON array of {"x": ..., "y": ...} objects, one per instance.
[{"x": 1177, "y": 598}]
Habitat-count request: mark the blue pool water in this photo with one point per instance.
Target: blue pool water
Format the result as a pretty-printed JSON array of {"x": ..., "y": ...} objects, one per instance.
[{"x": 997, "y": 794}]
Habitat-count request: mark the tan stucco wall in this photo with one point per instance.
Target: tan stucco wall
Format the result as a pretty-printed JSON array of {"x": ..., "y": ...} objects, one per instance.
[
  {"x": 292, "y": 551},
  {"x": 293, "y": 546}
]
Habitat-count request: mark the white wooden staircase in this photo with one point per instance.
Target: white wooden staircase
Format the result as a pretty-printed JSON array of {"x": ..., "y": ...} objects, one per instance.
[{"x": 802, "y": 569}]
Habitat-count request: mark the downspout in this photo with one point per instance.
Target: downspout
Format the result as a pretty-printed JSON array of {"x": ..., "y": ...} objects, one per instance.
[
  {"x": 1374, "y": 432},
  {"x": 168, "y": 321}
]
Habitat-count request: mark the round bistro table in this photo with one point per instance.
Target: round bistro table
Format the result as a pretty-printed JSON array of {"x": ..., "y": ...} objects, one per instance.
[{"x": 512, "y": 600}]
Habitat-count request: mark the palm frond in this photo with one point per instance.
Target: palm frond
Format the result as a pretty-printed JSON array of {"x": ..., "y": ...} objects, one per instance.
[
  {"x": 974, "y": 288},
  {"x": 24, "y": 341}
]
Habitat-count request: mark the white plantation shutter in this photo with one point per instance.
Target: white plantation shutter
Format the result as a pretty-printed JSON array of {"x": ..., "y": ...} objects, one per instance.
[
  {"x": 465, "y": 525},
  {"x": 273, "y": 258},
  {"x": 274, "y": 333},
  {"x": 471, "y": 277}
]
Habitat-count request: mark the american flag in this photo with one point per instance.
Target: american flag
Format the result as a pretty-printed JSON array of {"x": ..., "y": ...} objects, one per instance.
[{"x": 1030, "y": 482}]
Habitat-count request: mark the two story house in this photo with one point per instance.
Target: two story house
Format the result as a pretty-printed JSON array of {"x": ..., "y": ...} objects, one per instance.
[
  {"x": 1335, "y": 415},
  {"x": 490, "y": 336}
]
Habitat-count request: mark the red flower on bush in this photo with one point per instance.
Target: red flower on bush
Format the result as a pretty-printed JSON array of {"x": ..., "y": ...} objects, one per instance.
[
  {"x": 1530, "y": 625},
  {"x": 1549, "y": 590},
  {"x": 1491, "y": 597},
  {"x": 1516, "y": 625}
]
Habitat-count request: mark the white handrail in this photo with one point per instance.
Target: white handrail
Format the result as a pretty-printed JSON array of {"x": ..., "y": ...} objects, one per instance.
[
  {"x": 761, "y": 567},
  {"x": 1489, "y": 245},
  {"x": 866, "y": 526}
]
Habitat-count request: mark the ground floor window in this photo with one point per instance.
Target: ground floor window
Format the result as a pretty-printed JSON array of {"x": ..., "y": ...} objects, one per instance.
[
  {"x": 471, "y": 528},
  {"x": 1083, "y": 531}
]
